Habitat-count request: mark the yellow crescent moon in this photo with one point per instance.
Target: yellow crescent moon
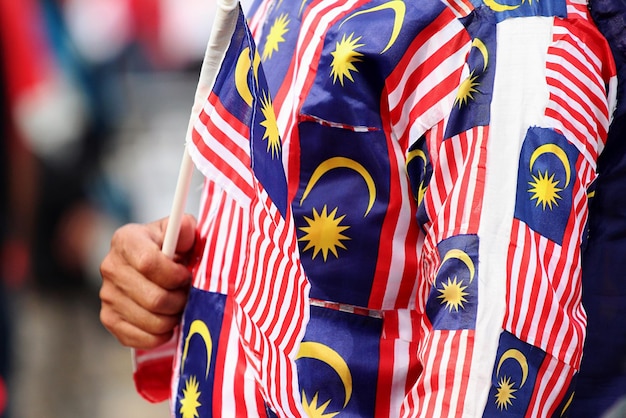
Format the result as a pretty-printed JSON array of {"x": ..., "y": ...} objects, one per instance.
[
  {"x": 342, "y": 162},
  {"x": 318, "y": 351},
  {"x": 480, "y": 45},
  {"x": 398, "y": 7},
  {"x": 460, "y": 255},
  {"x": 414, "y": 154},
  {"x": 498, "y": 7},
  {"x": 520, "y": 358},
  {"x": 558, "y": 152},
  {"x": 200, "y": 328},
  {"x": 241, "y": 74}
]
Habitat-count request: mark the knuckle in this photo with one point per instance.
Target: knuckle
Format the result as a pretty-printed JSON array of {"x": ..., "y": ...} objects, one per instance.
[
  {"x": 162, "y": 325},
  {"x": 108, "y": 320},
  {"x": 146, "y": 262},
  {"x": 107, "y": 267},
  {"x": 119, "y": 236},
  {"x": 157, "y": 300}
]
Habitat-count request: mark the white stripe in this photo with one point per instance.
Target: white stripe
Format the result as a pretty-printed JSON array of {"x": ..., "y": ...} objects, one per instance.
[
  {"x": 435, "y": 145},
  {"x": 240, "y": 141},
  {"x": 516, "y": 265},
  {"x": 400, "y": 369},
  {"x": 519, "y": 97},
  {"x": 528, "y": 279}
]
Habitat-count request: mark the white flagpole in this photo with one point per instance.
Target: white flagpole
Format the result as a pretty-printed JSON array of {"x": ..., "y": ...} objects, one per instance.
[{"x": 221, "y": 32}]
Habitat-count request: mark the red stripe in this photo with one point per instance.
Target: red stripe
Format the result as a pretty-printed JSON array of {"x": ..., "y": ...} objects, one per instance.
[
  {"x": 594, "y": 130},
  {"x": 386, "y": 368},
  {"x": 465, "y": 372}
]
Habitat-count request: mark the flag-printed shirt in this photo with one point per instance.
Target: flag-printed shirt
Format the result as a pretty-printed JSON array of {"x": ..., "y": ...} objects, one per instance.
[{"x": 438, "y": 158}]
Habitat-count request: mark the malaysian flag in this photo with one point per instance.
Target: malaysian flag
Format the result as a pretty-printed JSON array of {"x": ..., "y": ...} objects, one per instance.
[
  {"x": 248, "y": 305},
  {"x": 250, "y": 252}
]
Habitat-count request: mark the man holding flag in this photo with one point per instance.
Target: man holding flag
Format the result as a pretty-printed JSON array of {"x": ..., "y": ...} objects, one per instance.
[{"x": 432, "y": 163}]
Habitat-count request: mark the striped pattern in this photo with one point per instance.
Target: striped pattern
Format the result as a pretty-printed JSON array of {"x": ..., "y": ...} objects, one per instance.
[
  {"x": 577, "y": 80},
  {"x": 553, "y": 381},
  {"x": 421, "y": 92},
  {"x": 453, "y": 199},
  {"x": 250, "y": 252},
  {"x": 225, "y": 161},
  {"x": 423, "y": 87},
  {"x": 548, "y": 275},
  {"x": 577, "y": 9},
  {"x": 453, "y": 202},
  {"x": 399, "y": 363},
  {"x": 441, "y": 388}
]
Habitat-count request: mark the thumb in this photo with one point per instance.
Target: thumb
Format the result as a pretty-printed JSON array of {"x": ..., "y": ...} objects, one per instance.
[{"x": 187, "y": 235}]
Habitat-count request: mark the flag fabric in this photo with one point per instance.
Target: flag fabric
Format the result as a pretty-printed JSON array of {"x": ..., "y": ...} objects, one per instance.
[
  {"x": 249, "y": 252},
  {"x": 248, "y": 305},
  {"x": 415, "y": 148},
  {"x": 436, "y": 158}
]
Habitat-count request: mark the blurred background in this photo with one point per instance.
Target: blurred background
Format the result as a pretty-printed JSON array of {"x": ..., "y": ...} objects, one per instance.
[{"x": 95, "y": 103}]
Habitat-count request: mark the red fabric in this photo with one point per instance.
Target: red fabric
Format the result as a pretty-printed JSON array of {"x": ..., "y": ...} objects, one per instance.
[
  {"x": 3, "y": 396},
  {"x": 152, "y": 380},
  {"x": 26, "y": 52}
]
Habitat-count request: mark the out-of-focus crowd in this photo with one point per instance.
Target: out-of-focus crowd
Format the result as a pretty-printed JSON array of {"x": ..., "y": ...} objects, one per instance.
[{"x": 94, "y": 101}]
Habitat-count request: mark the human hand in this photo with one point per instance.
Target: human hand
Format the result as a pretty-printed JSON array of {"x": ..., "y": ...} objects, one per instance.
[{"x": 144, "y": 292}]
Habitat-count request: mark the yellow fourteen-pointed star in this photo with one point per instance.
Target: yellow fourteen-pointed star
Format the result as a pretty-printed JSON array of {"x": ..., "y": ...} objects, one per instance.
[
  {"x": 324, "y": 233},
  {"x": 344, "y": 57},
  {"x": 453, "y": 294},
  {"x": 544, "y": 190},
  {"x": 189, "y": 404},
  {"x": 313, "y": 410},
  {"x": 275, "y": 37},
  {"x": 504, "y": 395}
]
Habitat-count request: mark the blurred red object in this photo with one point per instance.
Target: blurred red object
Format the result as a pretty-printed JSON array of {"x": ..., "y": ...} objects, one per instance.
[{"x": 3, "y": 396}]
